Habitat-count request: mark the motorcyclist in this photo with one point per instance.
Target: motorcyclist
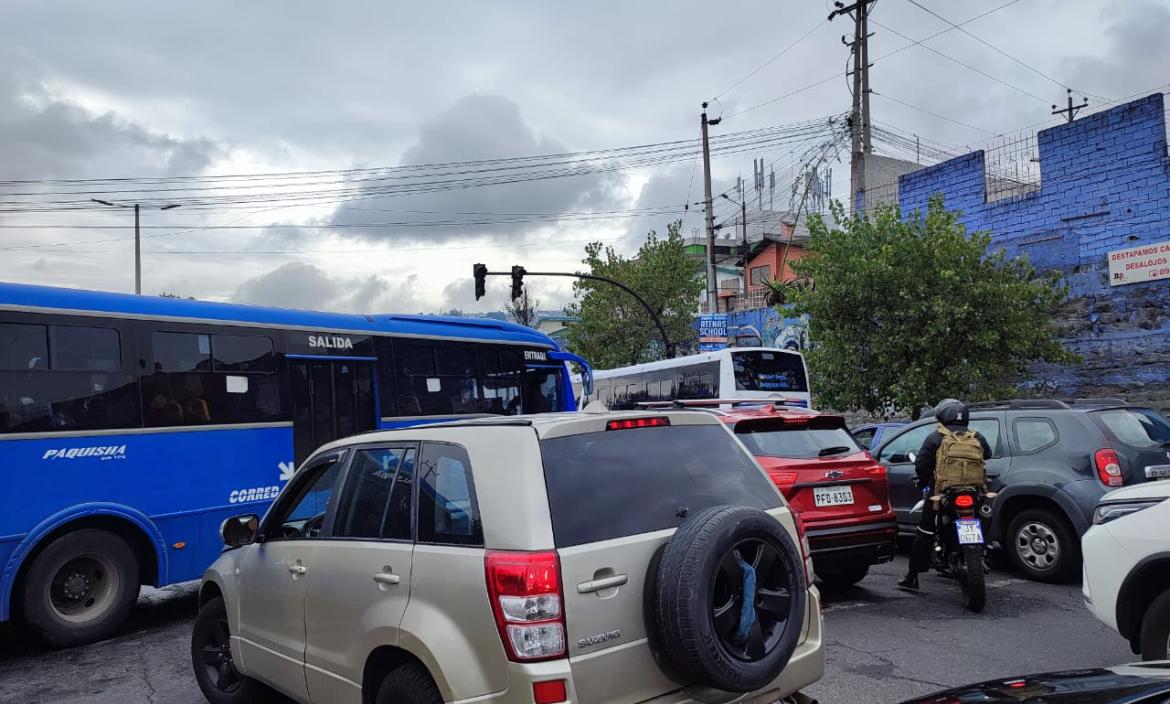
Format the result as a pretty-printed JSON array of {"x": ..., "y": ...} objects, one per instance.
[{"x": 954, "y": 416}]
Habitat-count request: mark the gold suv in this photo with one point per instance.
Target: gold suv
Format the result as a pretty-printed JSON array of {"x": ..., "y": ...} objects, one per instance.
[{"x": 583, "y": 557}]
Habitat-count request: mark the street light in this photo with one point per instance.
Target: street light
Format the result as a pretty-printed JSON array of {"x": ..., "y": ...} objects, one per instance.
[{"x": 137, "y": 236}]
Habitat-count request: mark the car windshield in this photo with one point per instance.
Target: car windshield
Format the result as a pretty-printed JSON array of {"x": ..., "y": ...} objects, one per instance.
[
  {"x": 775, "y": 438},
  {"x": 1137, "y": 427},
  {"x": 619, "y": 483},
  {"x": 765, "y": 370}
]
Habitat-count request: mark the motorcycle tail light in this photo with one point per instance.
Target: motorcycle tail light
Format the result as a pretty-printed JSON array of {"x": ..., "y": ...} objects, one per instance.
[{"x": 964, "y": 501}]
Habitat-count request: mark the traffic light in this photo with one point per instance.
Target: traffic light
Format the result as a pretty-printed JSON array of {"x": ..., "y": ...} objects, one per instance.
[
  {"x": 517, "y": 282},
  {"x": 480, "y": 271}
]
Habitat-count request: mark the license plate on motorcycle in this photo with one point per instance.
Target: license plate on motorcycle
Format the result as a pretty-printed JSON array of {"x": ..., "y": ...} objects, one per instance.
[
  {"x": 832, "y": 495},
  {"x": 970, "y": 531}
]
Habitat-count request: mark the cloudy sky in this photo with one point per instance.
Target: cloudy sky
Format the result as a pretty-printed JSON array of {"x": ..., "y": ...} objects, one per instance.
[{"x": 135, "y": 90}]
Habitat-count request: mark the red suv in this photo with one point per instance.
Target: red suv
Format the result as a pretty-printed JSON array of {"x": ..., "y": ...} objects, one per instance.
[{"x": 836, "y": 488}]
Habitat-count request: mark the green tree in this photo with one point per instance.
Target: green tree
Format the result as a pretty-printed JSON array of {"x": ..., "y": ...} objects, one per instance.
[
  {"x": 613, "y": 329},
  {"x": 903, "y": 313}
]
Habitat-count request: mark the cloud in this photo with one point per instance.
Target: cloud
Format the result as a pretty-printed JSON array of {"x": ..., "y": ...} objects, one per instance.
[
  {"x": 476, "y": 127},
  {"x": 45, "y": 136},
  {"x": 307, "y": 287},
  {"x": 1135, "y": 54}
]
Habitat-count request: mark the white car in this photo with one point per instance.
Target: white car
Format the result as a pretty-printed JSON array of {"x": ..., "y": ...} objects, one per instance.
[{"x": 1127, "y": 566}]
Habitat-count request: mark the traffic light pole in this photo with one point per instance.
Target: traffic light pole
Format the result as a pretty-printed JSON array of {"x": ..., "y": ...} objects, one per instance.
[{"x": 518, "y": 273}]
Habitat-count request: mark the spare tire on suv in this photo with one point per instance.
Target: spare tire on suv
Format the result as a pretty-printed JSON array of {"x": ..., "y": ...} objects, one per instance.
[{"x": 729, "y": 599}]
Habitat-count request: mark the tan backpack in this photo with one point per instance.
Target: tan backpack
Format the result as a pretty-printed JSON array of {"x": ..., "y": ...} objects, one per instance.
[{"x": 959, "y": 461}]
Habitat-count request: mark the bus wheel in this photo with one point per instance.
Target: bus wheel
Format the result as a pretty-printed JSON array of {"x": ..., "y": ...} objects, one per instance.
[{"x": 80, "y": 588}]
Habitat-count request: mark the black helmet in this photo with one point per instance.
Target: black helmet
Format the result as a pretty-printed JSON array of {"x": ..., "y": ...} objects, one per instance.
[{"x": 951, "y": 411}]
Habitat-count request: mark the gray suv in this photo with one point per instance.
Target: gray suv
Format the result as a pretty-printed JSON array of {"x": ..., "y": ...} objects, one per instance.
[
  {"x": 583, "y": 557},
  {"x": 1052, "y": 461}
]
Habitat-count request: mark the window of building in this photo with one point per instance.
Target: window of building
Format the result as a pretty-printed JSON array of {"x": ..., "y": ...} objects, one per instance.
[
  {"x": 447, "y": 510},
  {"x": 760, "y": 275}
]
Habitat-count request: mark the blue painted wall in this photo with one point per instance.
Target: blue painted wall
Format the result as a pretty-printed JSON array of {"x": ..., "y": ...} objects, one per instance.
[{"x": 1105, "y": 185}]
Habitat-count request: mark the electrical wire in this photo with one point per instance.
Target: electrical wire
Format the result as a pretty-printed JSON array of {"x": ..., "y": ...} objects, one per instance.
[
  {"x": 996, "y": 49},
  {"x": 767, "y": 63},
  {"x": 962, "y": 63}
]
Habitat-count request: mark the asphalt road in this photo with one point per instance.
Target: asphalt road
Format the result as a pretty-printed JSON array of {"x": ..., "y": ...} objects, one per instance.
[{"x": 883, "y": 645}]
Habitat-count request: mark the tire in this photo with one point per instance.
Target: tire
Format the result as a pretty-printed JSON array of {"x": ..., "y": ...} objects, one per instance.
[
  {"x": 211, "y": 659},
  {"x": 972, "y": 579},
  {"x": 1155, "y": 636},
  {"x": 698, "y": 605},
  {"x": 408, "y": 684},
  {"x": 80, "y": 588},
  {"x": 842, "y": 577},
  {"x": 1043, "y": 528}
]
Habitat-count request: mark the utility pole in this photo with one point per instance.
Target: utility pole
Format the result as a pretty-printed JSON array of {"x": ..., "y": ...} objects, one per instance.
[
  {"x": 712, "y": 293},
  {"x": 1072, "y": 110},
  {"x": 859, "y": 121},
  {"x": 137, "y": 236}
]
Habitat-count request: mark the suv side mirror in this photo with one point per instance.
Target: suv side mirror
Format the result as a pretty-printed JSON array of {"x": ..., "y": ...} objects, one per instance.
[
  {"x": 899, "y": 458},
  {"x": 239, "y": 530}
]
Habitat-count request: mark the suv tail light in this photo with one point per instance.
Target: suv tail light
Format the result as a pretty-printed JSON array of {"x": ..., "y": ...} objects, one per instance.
[
  {"x": 879, "y": 471},
  {"x": 1108, "y": 467},
  {"x": 805, "y": 549},
  {"x": 525, "y": 591}
]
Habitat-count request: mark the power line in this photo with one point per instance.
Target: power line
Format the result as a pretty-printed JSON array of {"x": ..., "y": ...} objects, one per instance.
[
  {"x": 764, "y": 65},
  {"x": 963, "y": 64},
  {"x": 933, "y": 114},
  {"x": 996, "y": 49},
  {"x": 912, "y": 43}
]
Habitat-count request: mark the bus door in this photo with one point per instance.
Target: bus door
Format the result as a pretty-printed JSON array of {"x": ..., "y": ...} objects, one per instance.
[{"x": 331, "y": 399}]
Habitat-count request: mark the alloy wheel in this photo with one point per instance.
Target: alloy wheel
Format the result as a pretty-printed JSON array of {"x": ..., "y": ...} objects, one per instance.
[
  {"x": 750, "y": 634},
  {"x": 1038, "y": 546}
]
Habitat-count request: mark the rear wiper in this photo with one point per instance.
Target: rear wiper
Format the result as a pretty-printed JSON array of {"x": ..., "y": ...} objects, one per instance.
[{"x": 835, "y": 450}]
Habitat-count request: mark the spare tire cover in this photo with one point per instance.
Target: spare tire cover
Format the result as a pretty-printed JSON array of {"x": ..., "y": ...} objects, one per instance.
[{"x": 729, "y": 599}]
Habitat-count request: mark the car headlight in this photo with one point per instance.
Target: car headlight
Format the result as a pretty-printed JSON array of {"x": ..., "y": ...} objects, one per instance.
[{"x": 1114, "y": 510}]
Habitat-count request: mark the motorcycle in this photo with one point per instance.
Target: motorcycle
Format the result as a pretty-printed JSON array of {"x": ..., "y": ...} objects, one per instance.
[{"x": 960, "y": 549}]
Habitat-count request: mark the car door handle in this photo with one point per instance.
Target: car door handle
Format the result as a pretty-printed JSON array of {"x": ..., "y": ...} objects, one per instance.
[
  {"x": 386, "y": 578},
  {"x": 297, "y": 569},
  {"x": 596, "y": 585}
]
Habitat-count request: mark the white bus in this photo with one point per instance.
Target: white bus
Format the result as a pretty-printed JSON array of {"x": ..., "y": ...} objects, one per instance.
[{"x": 734, "y": 373}]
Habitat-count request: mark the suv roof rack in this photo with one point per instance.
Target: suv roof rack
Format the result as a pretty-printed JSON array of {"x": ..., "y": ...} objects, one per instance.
[
  {"x": 1024, "y": 404},
  {"x": 1099, "y": 402},
  {"x": 1036, "y": 404}
]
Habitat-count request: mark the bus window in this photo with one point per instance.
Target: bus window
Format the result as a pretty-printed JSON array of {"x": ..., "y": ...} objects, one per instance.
[
  {"x": 77, "y": 389},
  {"x": 184, "y": 390},
  {"x": 181, "y": 352},
  {"x": 435, "y": 378},
  {"x": 85, "y": 348},
  {"x": 501, "y": 372},
  {"x": 759, "y": 370},
  {"x": 23, "y": 347},
  {"x": 542, "y": 390},
  {"x": 243, "y": 354}
]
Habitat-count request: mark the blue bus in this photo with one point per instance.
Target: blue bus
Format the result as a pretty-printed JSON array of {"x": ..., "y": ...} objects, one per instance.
[{"x": 132, "y": 426}]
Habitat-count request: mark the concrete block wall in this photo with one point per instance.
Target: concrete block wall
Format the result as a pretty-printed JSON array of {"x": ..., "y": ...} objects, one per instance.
[{"x": 1105, "y": 185}]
